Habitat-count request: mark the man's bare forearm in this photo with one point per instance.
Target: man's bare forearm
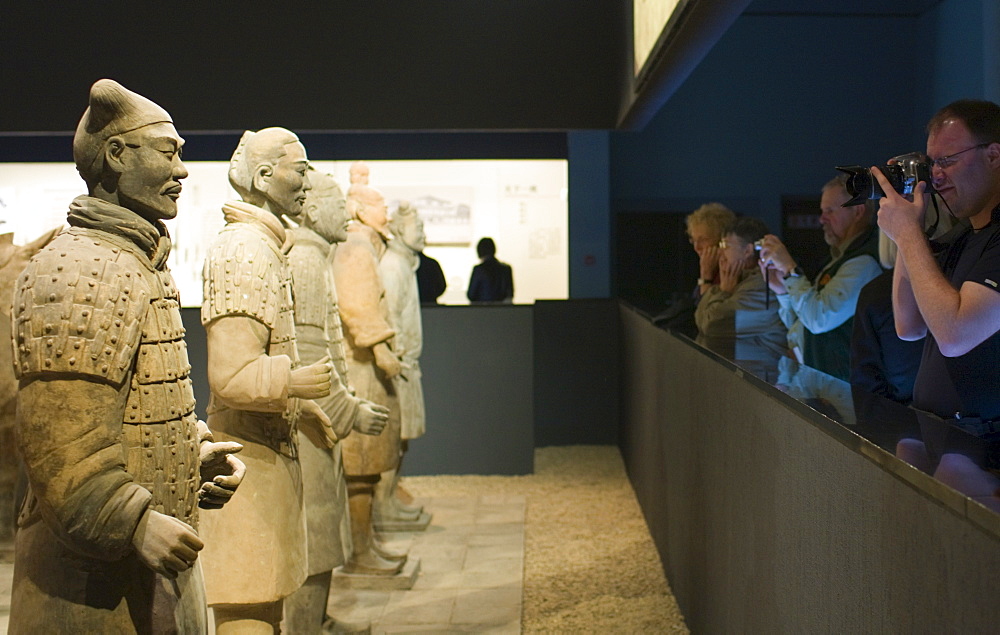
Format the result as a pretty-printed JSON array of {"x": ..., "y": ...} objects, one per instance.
[{"x": 937, "y": 303}]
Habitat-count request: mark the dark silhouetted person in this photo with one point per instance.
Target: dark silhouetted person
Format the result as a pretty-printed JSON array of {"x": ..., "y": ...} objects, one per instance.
[
  {"x": 492, "y": 280},
  {"x": 430, "y": 280}
]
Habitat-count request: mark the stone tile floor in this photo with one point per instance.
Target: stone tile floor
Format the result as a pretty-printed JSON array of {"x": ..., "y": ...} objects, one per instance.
[{"x": 471, "y": 573}]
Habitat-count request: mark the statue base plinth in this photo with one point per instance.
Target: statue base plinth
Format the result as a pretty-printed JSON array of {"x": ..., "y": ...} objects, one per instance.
[
  {"x": 419, "y": 523},
  {"x": 401, "y": 581}
]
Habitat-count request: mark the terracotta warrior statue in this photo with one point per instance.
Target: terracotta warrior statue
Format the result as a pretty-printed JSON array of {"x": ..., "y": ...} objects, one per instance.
[
  {"x": 322, "y": 222},
  {"x": 256, "y": 554},
  {"x": 116, "y": 460},
  {"x": 359, "y": 173},
  {"x": 398, "y": 268},
  {"x": 371, "y": 367},
  {"x": 13, "y": 260}
]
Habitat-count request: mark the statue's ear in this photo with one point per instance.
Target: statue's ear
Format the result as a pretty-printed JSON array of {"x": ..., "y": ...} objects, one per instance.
[
  {"x": 113, "y": 150},
  {"x": 262, "y": 177},
  {"x": 312, "y": 213}
]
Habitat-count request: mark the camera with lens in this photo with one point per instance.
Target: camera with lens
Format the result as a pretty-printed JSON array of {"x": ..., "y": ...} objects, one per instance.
[{"x": 903, "y": 173}]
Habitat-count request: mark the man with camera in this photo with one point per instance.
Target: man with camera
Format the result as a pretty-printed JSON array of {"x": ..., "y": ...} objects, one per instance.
[
  {"x": 947, "y": 290},
  {"x": 823, "y": 310}
]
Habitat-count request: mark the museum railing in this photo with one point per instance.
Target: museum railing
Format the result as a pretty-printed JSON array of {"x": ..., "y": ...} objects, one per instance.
[{"x": 952, "y": 465}]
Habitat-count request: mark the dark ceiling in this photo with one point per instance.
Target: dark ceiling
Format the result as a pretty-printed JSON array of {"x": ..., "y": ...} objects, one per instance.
[
  {"x": 841, "y": 7},
  {"x": 344, "y": 65},
  {"x": 321, "y": 65}
]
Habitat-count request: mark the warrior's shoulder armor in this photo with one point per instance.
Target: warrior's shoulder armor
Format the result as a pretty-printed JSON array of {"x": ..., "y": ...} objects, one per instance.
[
  {"x": 244, "y": 275},
  {"x": 79, "y": 307},
  {"x": 311, "y": 283}
]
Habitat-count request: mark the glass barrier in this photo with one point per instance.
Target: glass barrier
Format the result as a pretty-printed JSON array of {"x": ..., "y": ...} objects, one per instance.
[{"x": 965, "y": 456}]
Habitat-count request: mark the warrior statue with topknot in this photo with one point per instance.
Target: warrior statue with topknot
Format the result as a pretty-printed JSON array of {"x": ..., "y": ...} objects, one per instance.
[{"x": 116, "y": 460}]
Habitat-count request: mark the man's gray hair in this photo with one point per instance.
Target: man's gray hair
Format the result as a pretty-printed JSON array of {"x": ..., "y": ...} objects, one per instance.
[{"x": 715, "y": 216}]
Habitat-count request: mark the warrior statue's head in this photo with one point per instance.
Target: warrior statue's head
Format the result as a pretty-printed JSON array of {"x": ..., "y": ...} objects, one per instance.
[
  {"x": 269, "y": 170},
  {"x": 129, "y": 153}
]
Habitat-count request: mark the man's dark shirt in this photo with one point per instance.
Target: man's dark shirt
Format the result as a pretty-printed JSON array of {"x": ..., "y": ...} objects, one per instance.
[
  {"x": 430, "y": 280},
  {"x": 492, "y": 281},
  {"x": 968, "y": 384},
  {"x": 881, "y": 363}
]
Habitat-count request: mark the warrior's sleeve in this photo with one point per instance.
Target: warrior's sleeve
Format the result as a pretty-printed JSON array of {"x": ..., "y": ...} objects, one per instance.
[
  {"x": 355, "y": 271},
  {"x": 242, "y": 279},
  {"x": 76, "y": 324},
  {"x": 340, "y": 405},
  {"x": 393, "y": 281}
]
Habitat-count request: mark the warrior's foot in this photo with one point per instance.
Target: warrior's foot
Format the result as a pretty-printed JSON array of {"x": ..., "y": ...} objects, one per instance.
[
  {"x": 386, "y": 511},
  {"x": 371, "y": 563},
  {"x": 343, "y": 627},
  {"x": 388, "y": 554},
  {"x": 404, "y": 509}
]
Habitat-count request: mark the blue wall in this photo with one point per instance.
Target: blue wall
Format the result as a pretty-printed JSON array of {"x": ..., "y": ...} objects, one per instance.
[
  {"x": 772, "y": 108},
  {"x": 776, "y": 104},
  {"x": 590, "y": 218},
  {"x": 780, "y": 100},
  {"x": 959, "y": 46}
]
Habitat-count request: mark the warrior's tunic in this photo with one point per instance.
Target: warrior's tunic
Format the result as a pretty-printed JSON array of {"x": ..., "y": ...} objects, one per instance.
[
  {"x": 399, "y": 275},
  {"x": 318, "y": 334},
  {"x": 107, "y": 429},
  {"x": 365, "y": 314},
  {"x": 255, "y": 547}
]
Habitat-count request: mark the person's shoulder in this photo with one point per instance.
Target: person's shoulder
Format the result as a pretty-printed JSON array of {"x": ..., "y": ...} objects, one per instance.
[{"x": 864, "y": 261}]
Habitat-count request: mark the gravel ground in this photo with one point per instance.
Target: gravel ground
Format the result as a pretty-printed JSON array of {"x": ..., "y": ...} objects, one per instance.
[{"x": 590, "y": 563}]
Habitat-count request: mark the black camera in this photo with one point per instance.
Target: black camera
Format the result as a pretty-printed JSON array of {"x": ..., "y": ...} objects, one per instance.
[{"x": 903, "y": 173}]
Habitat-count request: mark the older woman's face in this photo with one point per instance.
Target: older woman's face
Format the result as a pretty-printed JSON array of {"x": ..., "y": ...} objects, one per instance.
[
  {"x": 735, "y": 250},
  {"x": 701, "y": 237}
]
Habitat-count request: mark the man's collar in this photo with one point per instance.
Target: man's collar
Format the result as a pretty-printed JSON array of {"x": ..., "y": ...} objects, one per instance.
[{"x": 839, "y": 250}]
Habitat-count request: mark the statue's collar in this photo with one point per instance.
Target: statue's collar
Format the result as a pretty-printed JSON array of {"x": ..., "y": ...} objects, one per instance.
[
  {"x": 93, "y": 213},
  {"x": 304, "y": 235},
  {"x": 242, "y": 212},
  {"x": 378, "y": 241}
]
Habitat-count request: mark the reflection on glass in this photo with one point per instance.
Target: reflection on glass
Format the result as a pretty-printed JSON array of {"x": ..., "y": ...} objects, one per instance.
[{"x": 963, "y": 455}]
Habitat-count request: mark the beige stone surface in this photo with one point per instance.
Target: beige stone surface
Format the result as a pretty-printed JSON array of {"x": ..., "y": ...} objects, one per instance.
[
  {"x": 400, "y": 582},
  {"x": 590, "y": 564},
  {"x": 572, "y": 534}
]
